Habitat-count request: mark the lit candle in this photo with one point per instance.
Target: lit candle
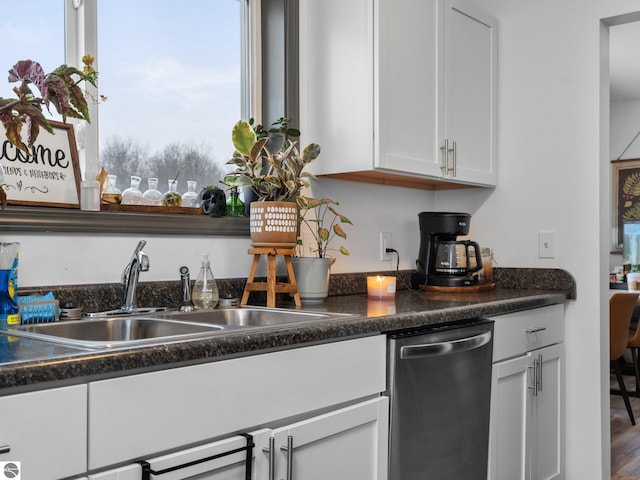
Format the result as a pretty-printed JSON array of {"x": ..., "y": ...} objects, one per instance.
[{"x": 381, "y": 287}]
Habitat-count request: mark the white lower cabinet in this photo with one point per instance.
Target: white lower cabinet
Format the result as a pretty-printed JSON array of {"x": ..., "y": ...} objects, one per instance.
[
  {"x": 46, "y": 431},
  {"x": 348, "y": 443},
  {"x": 222, "y": 460},
  {"x": 526, "y": 433},
  {"x": 325, "y": 397}
]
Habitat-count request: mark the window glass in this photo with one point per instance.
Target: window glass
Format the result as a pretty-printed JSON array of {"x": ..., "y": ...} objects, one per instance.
[
  {"x": 171, "y": 73},
  {"x": 31, "y": 30}
]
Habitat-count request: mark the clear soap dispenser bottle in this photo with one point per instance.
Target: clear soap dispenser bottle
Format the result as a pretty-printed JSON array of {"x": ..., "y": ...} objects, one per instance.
[{"x": 205, "y": 291}]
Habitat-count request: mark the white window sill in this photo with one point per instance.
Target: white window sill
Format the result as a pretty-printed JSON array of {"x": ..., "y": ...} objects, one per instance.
[{"x": 41, "y": 219}]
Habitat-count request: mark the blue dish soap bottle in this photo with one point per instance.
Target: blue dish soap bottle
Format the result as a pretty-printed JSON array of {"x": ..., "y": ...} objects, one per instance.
[{"x": 9, "y": 313}]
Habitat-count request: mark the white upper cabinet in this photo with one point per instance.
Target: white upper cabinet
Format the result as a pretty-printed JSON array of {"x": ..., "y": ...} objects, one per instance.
[
  {"x": 385, "y": 85},
  {"x": 470, "y": 93}
]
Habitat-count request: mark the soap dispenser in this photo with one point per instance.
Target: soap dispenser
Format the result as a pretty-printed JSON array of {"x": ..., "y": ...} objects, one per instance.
[{"x": 205, "y": 291}]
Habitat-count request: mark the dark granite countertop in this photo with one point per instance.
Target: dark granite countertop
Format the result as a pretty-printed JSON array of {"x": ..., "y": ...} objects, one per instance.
[{"x": 31, "y": 365}]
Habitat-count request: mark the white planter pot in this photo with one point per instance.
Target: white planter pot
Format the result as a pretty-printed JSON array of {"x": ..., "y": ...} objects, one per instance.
[{"x": 312, "y": 277}]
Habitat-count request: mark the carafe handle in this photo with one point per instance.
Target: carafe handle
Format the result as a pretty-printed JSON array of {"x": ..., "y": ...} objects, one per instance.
[{"x": 476, "y": 251}]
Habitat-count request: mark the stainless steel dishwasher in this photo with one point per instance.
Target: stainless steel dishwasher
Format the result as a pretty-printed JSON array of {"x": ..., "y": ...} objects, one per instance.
[{"x": 439, "y": 384}]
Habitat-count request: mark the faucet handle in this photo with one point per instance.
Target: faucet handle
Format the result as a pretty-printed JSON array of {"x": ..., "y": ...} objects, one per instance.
[{"x": 144, "y": 262}]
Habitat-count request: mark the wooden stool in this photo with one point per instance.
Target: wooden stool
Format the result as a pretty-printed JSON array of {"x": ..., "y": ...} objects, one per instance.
[{"x": 271, "y": 286}]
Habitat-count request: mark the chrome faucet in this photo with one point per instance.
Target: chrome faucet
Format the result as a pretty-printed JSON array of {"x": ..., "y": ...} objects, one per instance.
[{"x": 139, "y": 263}]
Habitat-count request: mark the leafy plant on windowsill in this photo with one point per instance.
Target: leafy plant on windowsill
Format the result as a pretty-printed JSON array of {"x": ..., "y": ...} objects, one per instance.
[
  {"x": 272, "y": 176},
  {"x": 324, "y": 224},
  {"x": 59, "y": 88}
]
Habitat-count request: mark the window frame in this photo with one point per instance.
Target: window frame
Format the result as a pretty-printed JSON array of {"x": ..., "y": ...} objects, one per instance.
[{"x": 80, "y": 38}]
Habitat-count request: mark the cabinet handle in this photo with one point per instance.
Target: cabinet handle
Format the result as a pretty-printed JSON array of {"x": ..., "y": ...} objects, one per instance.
[
  {"x": 455, "y": 152},
  {"x": 271, "y": 451},
  {"x": 289, "y": 450},
  {"x": 539, "y": 373},
  {"x": 535, "y": 329},
  {"x": 5, "y": 448},
  {"x": 534, "y": 376},
  {"x": 445, "y": 157}
]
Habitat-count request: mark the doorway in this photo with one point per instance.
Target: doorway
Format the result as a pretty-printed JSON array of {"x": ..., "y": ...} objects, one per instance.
[{"x": 624, "y": 144}]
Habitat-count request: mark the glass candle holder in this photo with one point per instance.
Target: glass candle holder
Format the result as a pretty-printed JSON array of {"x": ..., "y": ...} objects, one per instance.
[{"x": 381, "y": 287}]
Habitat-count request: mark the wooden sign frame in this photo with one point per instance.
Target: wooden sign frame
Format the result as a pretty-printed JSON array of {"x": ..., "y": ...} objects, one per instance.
[{"x": 49, "y": 175}]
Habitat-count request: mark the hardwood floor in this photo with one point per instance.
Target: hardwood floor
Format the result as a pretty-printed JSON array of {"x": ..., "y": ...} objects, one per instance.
[{"x": 625, "y": 438}]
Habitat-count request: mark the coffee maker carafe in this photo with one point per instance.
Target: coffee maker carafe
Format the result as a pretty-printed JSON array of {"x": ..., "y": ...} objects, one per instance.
[{"x": 443, "y": 260}]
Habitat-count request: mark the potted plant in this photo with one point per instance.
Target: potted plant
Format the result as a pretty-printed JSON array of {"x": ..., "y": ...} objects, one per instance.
[
  {"x": 323, "y": 223},
  {"x": 274, "y": 177},
  {"x": 59, "y": 88}
]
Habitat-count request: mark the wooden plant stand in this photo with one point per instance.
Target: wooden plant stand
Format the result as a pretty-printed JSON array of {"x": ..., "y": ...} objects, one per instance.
[{"x": 271, "y": 286}]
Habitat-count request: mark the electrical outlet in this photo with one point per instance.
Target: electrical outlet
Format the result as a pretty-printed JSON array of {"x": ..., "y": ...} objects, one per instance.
[
  {"x": 546, "y": 244},
  {"x": 385, "y": 242}
]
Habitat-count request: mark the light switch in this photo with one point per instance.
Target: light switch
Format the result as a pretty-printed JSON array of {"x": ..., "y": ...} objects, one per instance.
[{"x": 546, "y": 244}]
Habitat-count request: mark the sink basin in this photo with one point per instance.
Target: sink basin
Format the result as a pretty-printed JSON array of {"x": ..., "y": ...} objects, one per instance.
[
  {"x": 163, "y": 326},
  {"x": 250, "y": 316},
  {"x": 114, "y": 332},
  {"x": 125, "y": 313}
]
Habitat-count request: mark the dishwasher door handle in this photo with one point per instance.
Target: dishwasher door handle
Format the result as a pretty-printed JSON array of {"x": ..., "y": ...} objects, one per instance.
[{"x": 409, "y": 352}]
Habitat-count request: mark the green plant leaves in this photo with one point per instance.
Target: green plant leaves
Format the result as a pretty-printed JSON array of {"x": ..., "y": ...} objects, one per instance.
[
  {"x": 243, "y": 137},
  {"x": 310, "y": 153}
]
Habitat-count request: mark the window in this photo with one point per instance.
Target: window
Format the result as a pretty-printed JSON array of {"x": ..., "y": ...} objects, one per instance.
[
  {"x": 62, "y": 31},
  {"x": 41, "y": 38},
  {"x": 172, "y": 74}
]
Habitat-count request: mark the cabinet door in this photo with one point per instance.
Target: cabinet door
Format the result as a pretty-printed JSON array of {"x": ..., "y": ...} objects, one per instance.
[
  {"x": 46, "y": 431},
  {"x": 346, "y": 444},
  {"x": 547, "y": 412},
  {"x": 336, "y": 83},
  {"x": 508, "y": 431},
  {"x": 470, "y": 92},
  {"x": 409, "y": 42},
  {"x": 205, "y": 462}
]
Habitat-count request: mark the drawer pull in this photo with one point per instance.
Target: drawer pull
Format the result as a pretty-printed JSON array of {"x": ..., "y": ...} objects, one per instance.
[
  {"x": 535, "y": 329},
  {"x": 5, "y": 449}
]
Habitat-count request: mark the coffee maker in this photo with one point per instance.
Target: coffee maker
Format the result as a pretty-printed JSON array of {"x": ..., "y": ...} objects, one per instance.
[{"x": 443, "y": 260}]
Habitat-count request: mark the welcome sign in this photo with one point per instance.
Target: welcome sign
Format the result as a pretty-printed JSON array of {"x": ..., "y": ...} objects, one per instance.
[{"x": 49, "y": 175}]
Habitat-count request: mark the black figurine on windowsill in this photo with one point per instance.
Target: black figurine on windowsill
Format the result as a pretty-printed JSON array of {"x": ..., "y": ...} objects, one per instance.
[{"x": 213, "y": 201}]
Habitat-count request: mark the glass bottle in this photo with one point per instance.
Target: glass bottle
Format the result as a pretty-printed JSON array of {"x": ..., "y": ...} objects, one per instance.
[
  {"x": 485, "y": 274},
  {"x": 152, "y": 196},
  {"x": 235, "y": 206},
  {"x": 172, "y": 198},
  {"x": 133, "y": 195},
  {"x": 190, "y": 197},
  {"x": 205, "y": 291},
  {"x": 111, "y": 194}
]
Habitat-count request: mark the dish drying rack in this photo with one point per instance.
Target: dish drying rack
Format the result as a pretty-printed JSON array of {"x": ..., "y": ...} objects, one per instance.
[{"x": 38, "y": 309}]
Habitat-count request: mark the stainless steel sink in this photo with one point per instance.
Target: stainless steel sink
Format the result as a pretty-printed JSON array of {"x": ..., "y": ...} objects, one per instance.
[
  {"x": 162, "y": 327},
  {"x": 114, "y": 332},
  {"x": 250, "y": 316},
  {"x": 125, "y": 313}
]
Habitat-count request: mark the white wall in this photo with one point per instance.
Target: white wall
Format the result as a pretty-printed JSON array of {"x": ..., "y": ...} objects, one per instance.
[
  {"x": 553, "y": 175},
  {"x": 625, "y": 124},
  {"x": 59, "y": 259}
]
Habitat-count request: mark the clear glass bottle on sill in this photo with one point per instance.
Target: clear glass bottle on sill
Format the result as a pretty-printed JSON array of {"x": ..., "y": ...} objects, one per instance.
[
  {"x": 190, "y": 197},
  {"x": 133, "y": 195},
  {"x": 111, "y": 195},
  {"x": 172, "y": 198},
  {"x": 152, "y": 196}
]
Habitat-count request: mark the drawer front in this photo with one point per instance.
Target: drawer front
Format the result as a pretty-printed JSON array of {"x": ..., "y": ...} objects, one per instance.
[
  {"x": 46, "y": 432},
  {"x": 520, "y": 332},
  {"x": 132, "y": 417}
]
